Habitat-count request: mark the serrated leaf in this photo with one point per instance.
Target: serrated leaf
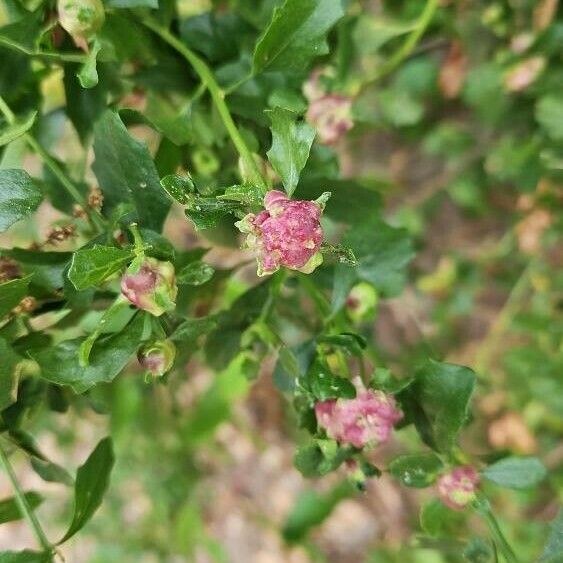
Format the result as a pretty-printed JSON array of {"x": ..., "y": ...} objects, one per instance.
[
  {"x": 516, "y": 472},
  {"x": 92, "y": 266},
  {"x": 15, "y": 130},
  {"x": 126, "y": 172},
  {"x": 296, "y": 35},
  {"x": 291, "y": 143},
  {"x": 60, "y": 364},
  {"x": 19, "y": 197},
  {"x": 92, "y": 480},
  {"x": 196, "y": 273},
  {"x": 10, "y": 510},
  {"x": 12, "y": 292},
  {"x": 416, "y": 470},
  {"x": 442, "y": 392}
]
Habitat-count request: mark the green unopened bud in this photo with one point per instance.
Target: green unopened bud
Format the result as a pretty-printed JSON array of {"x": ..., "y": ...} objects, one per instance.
[
  {"x": 81, "y": 19},
  {"x": 157, "y": 358},
  {"x": 361, "y": 302},
  {"x": 152, "y": 288}
]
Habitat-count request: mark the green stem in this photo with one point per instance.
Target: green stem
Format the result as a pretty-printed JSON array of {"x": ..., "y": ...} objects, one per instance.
[
  {"x": 498, "y": 536},
  {"x": 217, "y": 94},
  {"x": 410, "y": 42},
  {"x": 63, "y": 57},
  {"x": 488, "y": 347},
  {"x": 23, "y": 505},
  {"x": 57, "y": 171}
]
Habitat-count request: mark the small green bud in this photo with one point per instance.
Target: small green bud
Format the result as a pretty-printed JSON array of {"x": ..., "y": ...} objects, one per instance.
[
  {"x": 361, "y": 302},
  {"x": 157, "y": 358}
]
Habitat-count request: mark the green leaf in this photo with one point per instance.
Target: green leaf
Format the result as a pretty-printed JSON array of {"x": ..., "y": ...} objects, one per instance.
[
  {"x": 196, "y": 273},
  {"x": 25, "y": 556},
  {"x": 206, "y": 212},
  {"x": 291, "y": 143},
  {"x": 92, "y": 266},
  {"x": 383, "y": 253},
  {"x": 296, "y": 35},
  {"x": 252, "y": 196},
  {"x": 442, "y": 392},
  {"x": 319, "y": 458},
  {"x": 11, "y": 293},
  {"x": 478, "y": 551},
  {"x": 372, "y": 32},
  {"x": 436, "y": 519},
  {"x": 416, "y": 470},
  {"x": 51, "y": 472},
  {"x": 9, "y": 374},
  {"x": 10, "y": 510},
  {"x": 88, "y": 73},
  {"x": 549, "y": 114},
  {"x": 92, "y": 480},
  {"x": 325, "y": 385},
  {"x": 15, "y": 130},
  {"x": 516, "y": 472},
  {"x": 191, "y": 329},
  {"x": 19, "y": 197},
  {"x": 132, "y": 4},
  {"x": 311, "y": 509},
  {"x": 178, "y": 187},
  {"x": 553, "y": 550},
  {"x": 60, "y": 364},
  {"x": 126, "y": 172}
]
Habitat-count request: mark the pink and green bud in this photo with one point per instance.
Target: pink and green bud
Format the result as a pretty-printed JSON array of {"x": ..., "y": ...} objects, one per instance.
[
  {"x": 81, "y": 19},
  {"x": 524, "y": 74},
  {"x": 361, "y": 302},
  {"x": 366, "y": 420},
  {"x": 152, "y": 288},
  {"x": 456, "y": 489},
  {"x": 157, "y": 358},
  {"x": 286, "y": 233},
  {"x": 331, "y": 116}
]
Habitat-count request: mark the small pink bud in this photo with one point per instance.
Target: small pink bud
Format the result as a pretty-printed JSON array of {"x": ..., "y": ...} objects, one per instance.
[
  {"x": 456, "y": 489},
  {"x": 331, "y": 116},
  {"x": 368, "y": 419},
  {"x": 157, "y": 358},
  {"x": 286, "y": 233},
  {"x": 152, "y": 288},
  {"x": 524, "y": 74}
]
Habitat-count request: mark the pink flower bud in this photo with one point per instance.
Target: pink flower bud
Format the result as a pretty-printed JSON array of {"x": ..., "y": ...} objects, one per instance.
[
  {"x": 286, "y": 233},
  {"x": 524, "y": 74},
  {"x": 456, "y": 489},
  {"x": 368, "y": 419},
  {"x": 157, "y": 358},
  {"x": 152, "y": 288},
  {"x": 331, "y": 116}
]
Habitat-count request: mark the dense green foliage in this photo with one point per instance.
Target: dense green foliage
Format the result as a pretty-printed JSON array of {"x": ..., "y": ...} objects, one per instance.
[{"x": 126, "y": 123}]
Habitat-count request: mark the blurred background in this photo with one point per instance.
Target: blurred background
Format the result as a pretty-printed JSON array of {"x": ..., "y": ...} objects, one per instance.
[{"x": 464, "y": 142}]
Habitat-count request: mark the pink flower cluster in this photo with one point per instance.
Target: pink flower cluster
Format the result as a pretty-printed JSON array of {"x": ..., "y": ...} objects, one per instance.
[
  {"x": 367, "y": 419},
  {"x": 152, "y": 288},
  {"x": 329, "y": 114},
  {"x": 456, "y": 489},
  {"x": 286, "y": 233}
]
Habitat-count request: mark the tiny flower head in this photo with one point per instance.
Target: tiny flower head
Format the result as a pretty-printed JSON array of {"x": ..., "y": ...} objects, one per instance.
[
  {"x": 152, "y": 288},
  {"x": 368, "y": 419},
  {"x": 524, "y": 74},
  {"x": 456, "y": 489},
  {"x": 157, "y": 358},
  {"x": 286, "y": 233},
  {"x": 331, "y": 116}
]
